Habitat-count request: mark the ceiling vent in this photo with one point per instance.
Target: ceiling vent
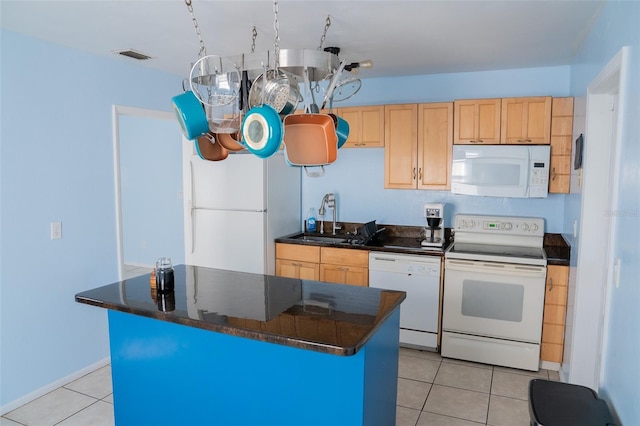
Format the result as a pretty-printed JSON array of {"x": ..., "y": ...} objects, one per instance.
[{"x": 133, "y": 54}]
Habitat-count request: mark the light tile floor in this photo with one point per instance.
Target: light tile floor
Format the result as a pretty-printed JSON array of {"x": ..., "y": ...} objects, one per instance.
[
  {"x": 438, "y": 391},
  {"x": 432, "y": 391}
]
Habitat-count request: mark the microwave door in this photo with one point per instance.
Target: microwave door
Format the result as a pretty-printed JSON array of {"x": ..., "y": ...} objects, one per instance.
[{"x": 491, "y": 176}]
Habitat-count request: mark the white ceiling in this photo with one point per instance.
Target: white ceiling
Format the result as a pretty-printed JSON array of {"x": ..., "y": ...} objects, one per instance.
[{"x": 401, "y": 37}]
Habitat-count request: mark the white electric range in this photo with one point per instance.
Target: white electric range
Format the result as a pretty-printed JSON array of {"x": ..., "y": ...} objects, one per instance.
[{"x": 494, "y": 284}]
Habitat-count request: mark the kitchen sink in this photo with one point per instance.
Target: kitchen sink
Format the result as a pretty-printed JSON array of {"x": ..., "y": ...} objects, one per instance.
[{"x": 322, "y": 239}]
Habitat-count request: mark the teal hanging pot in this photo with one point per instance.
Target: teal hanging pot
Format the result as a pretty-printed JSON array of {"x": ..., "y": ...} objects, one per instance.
[
  {"x": 262, "y": 131},
  {"x": 191, "y": 115}
]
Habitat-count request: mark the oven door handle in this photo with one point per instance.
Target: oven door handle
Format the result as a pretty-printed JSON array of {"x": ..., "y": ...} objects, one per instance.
[{"x": 494, "y": 268}]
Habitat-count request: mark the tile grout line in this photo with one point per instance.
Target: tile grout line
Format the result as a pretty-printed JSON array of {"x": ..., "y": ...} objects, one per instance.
[
  {"x": 84, "y": 394},
  {"x": 15, "y": 421},
  {"x": 486, "y": 421},
  {"x": 79, "y": 411}
]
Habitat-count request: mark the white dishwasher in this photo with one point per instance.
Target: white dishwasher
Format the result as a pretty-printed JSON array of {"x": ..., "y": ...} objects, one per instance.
[{"x": 419, "y": 277}]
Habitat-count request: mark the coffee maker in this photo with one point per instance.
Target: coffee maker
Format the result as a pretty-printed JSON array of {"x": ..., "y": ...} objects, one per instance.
[{"x": 434, "y": 232}]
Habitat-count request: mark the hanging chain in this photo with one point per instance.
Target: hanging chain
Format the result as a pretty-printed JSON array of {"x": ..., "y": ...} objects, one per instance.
[
  {"x": 254, "y": 35},
  {"x": 327, "y": 24},
  {"x": 276, "y": 42},
  {"x": 203, "y": 50}
]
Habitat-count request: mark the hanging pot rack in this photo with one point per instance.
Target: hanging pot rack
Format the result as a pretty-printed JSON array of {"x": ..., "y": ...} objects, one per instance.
[{"x": 218, "y": 82}]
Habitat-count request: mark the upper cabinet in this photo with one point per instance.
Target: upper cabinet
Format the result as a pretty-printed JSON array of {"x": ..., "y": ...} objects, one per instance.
[
  {"x": 418, "y": 146},
  {"x": 400, "y": 148},
  {"x": 561, "y": 137},
  {"x": 526, "y": 120},
  {"x": 435, "y": 145},
  {"x": 366, "y": 126},
  {"x": 477, "y": 121}
]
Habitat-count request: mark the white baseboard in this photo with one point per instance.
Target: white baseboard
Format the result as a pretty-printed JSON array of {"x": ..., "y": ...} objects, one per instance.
[
  {"x": 10, "y": 406},
  {"x": 548, "y": 365}
]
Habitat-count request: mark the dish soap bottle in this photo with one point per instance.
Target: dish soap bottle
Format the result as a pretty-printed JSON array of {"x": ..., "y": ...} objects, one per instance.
[{"x": 311, "y": 220}]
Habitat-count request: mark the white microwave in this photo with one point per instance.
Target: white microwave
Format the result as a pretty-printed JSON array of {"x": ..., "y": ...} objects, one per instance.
[{"x": 501, "y": 170}]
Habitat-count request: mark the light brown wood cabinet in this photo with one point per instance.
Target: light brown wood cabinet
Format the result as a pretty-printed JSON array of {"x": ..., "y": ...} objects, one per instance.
[
  {"x": 555, "y": 311},
  {"x": 344, "y": 266},
  {"x": 418, "y": 146},
  {"x": 329, "y": 264},
  {"x": 561, "y": 138},
  {"x": 526, "y": 121},
  {"x": 366, "y": 126},
  {"x": 298, "y": 261},
  {"x": 477, "y": 121}
]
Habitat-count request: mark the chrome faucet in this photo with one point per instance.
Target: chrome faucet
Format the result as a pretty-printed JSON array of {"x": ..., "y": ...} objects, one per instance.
[{"x": 330, "y": 201}]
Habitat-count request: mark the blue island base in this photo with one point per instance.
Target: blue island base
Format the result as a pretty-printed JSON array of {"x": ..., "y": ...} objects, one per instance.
[{"x": 170, "y": 374}]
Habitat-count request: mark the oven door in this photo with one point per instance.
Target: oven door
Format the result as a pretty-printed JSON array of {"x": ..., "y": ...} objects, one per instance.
[{"x": 500, "y": 300}]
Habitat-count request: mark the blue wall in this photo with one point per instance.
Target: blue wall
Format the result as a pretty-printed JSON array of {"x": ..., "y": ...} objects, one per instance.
[
  {"x": 618, "y": 25},
  {"x": 357, "y": 177},
  {"x": 57, "y": 165}
]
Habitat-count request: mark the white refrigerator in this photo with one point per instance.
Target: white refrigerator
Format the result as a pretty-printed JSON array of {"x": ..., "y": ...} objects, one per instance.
[{"x": 235, "y": 208}]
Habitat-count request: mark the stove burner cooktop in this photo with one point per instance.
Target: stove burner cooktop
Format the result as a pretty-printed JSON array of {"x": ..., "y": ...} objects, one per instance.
[
  {"x": 496, "y": 250},
  {"x": 498, "y": 253}
]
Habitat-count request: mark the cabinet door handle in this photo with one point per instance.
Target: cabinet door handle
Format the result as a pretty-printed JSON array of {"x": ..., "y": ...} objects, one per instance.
[
  {"x": 550, "y": 283},
  {"x": 476, "y": 141},
  {"x": 553, "y": 173},
  {"x": 414, "y": 173},
  {"x": 340, "y": 268},
  {"x": 420, "y": 173},
  {"x": 297, "y": 264},
  {"x": 524, "y": 140}
]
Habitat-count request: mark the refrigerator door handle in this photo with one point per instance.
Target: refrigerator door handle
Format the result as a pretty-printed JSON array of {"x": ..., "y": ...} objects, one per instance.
[
  {"x": 191, "y": 208},
  {"x": 230, "y": 210},
  {"x": 193, "y": 227}
]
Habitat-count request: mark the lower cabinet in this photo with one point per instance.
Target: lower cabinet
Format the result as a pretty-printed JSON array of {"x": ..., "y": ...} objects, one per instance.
[
  {"x": 555, "y": 311},
  {"x": 344, "y": 266},
  {"x": 334, "y": 265},
  {"x": 298, "y": 261}
]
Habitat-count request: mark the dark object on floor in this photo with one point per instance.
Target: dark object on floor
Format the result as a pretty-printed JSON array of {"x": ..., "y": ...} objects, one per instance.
[{"x": 563, "y": 404}]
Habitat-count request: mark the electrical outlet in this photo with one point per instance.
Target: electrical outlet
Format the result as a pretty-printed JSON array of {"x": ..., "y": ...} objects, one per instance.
[{"x": 56, "y": 230}]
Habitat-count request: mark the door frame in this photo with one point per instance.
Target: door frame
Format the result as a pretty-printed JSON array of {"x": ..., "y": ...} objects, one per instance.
[
  {"x": 606, "y": 101},
  {"x": 116, "y": 112}
]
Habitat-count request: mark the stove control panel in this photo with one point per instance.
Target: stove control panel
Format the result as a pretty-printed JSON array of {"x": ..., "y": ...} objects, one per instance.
[{"x": 517, "y": 226}]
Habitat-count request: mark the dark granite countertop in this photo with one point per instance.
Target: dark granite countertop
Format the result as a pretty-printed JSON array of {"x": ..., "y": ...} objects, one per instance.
[
  {"x": 406, "y": 239},
  {"x": 557, "y": 249},
  {"x": 394, "y": 239},
  {"x": 331, "y": 318}
]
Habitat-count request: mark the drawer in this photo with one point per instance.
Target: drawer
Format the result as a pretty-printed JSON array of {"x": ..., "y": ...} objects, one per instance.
[
  {"x": 554, "y": 314},
  {"x": 553, "y": 333},
  {"x": 340, "y": 256},
  {"x": 556, "y": 296},
  {"x": 298, "y": 252},
  {"x": 551, "y": 352}
]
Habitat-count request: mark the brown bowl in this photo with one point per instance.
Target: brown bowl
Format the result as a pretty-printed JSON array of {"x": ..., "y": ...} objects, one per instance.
[
  {"x": 209, "y": 149},
  {"x": 230, "y": 141}
]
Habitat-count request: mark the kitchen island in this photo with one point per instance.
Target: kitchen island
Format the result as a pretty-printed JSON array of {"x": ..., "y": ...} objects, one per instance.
[{"x": 231, "y": 348}]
